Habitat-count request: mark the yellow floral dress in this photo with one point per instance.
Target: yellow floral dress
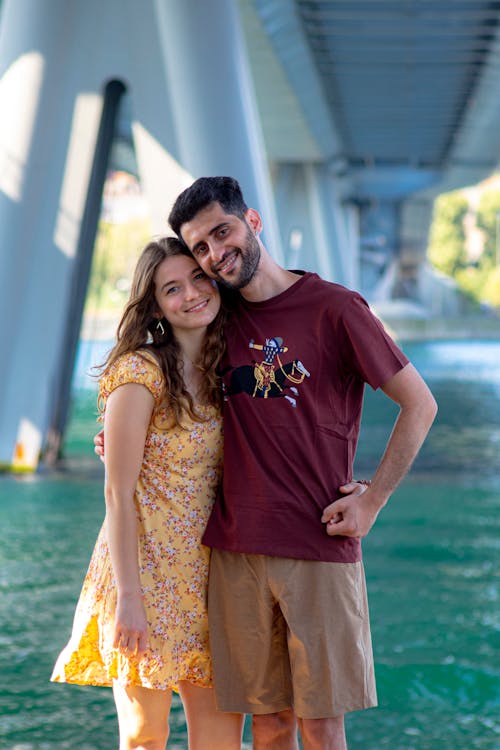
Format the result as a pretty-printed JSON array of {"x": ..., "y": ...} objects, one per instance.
[{"x": 174, "y": 496}]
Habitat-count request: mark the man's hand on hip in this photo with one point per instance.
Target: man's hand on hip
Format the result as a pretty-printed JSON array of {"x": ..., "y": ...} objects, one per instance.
[{"x": 352, "y": 515}]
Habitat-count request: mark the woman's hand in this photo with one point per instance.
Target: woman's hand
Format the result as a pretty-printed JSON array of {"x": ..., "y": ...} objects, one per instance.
[{"x": 131, "y": 627}]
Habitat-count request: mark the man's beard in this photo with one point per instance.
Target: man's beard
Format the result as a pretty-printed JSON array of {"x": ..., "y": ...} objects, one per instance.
[{"x": 250, "y": 257}]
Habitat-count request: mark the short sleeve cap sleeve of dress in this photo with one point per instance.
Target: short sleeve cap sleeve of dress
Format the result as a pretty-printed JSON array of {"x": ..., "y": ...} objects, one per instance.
[
  {"x": 367, "y": 347},
  {"x": 132, "y": 368}
]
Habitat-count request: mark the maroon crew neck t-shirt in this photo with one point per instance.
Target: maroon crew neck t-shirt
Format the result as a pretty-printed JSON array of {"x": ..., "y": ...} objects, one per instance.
[{"x": 294, "y": 376}]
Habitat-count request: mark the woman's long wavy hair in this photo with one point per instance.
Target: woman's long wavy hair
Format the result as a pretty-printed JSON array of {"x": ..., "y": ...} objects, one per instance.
[{"x": 138, "y": 329}]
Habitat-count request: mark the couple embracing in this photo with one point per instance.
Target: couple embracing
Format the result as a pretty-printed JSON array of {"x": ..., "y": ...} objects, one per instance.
[{"x": 279, "y": 628}]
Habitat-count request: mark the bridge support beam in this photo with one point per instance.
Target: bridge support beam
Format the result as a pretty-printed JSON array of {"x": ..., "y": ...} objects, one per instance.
[
  {"x": 213, "y": 101},
  {"x": 380, "y": 246},
  {"x": 38, "y": 228},
  {"x": 319, "y": 231},
  {"x": 393, "y": 246},
  {"x": 194, "y": 114}
]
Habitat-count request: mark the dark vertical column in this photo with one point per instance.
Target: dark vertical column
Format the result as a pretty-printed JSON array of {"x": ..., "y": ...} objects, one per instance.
[{"x": 81, "y": 271}]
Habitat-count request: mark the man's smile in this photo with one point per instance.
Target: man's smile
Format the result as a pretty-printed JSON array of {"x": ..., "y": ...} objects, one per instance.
[{"x": 227, "y": 265}]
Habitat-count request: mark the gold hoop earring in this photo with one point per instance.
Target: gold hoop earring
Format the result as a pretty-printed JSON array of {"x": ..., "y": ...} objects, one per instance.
[{"x": 160, "y": 328}]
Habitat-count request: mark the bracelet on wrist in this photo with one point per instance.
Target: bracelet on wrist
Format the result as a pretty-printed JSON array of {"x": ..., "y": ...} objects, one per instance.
[{"x": 366, "y": 482}]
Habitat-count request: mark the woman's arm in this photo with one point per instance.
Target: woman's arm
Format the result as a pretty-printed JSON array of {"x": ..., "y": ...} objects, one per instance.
[{"x": 128, "y": 413}]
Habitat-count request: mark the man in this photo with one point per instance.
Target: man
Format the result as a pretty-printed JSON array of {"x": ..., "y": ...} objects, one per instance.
[{"x": 287, "y": 602}]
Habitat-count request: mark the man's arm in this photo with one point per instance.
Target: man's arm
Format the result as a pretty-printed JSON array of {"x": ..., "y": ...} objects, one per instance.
[
  {"x": 355, "y": 514},
  {"x": 99, "y": 444}
]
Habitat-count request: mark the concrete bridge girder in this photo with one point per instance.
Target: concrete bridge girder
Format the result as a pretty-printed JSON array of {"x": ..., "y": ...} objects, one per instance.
[{"x": 318, "y": 230}]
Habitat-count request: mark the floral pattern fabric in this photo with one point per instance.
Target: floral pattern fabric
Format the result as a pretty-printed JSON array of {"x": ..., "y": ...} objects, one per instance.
[{"x": 174, "y": 496}]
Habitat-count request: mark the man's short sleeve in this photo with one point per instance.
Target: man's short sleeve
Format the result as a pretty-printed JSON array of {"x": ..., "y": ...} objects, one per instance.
[{"x": 367, "y": 348}]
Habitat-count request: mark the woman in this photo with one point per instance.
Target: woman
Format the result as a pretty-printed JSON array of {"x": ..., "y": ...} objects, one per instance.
[{"x": 141, "y": 621}]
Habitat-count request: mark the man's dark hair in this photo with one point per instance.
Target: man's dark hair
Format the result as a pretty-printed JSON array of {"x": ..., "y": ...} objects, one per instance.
[{"x": 206, "y": 190}]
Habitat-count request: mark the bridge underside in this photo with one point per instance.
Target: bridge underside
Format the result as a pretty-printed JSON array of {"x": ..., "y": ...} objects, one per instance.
[
  {"x": 398, "y": 102},
  {"x": 342, "y": 121}
]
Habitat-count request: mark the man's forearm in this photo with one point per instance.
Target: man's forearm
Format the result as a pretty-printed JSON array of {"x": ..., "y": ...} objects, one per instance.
[
  {"x": 355, "y": 514},
  {"x": 410, "y": 431}
]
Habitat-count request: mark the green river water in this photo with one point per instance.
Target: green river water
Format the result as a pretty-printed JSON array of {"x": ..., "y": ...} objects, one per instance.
[{"x": 432, "y": 564}]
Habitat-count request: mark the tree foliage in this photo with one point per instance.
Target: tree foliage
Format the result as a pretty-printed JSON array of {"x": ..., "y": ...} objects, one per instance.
[
  {"x": 447, "y": 238},
  {"x": 116, "y": 250},
  {"x": 488, "y": 219},
  {"x": 478, "y": 278}
]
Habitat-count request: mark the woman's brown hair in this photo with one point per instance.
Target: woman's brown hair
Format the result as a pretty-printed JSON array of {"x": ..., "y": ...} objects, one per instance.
[{"x": 138, "y": 330}]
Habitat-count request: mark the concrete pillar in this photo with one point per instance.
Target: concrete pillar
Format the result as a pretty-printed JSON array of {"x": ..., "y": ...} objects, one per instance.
[
  {"x": 319, "y": 231},
  {"x": 37, "y": 229},
  {"x": 380, "y": 227},
  {"x": 185, "y": 70},
  {"x": 213, "y": 101}
]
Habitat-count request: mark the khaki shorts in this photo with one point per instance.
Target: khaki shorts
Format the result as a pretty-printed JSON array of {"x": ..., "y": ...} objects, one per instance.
[{"x": 289, "y": 634}]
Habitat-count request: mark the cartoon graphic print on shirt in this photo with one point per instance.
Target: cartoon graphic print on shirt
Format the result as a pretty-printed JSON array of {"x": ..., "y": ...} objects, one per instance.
[{"x": 264, "y": 379}]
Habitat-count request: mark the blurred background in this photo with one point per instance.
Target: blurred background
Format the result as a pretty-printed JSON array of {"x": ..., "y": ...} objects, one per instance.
[{"x": 367, "y": 134}]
